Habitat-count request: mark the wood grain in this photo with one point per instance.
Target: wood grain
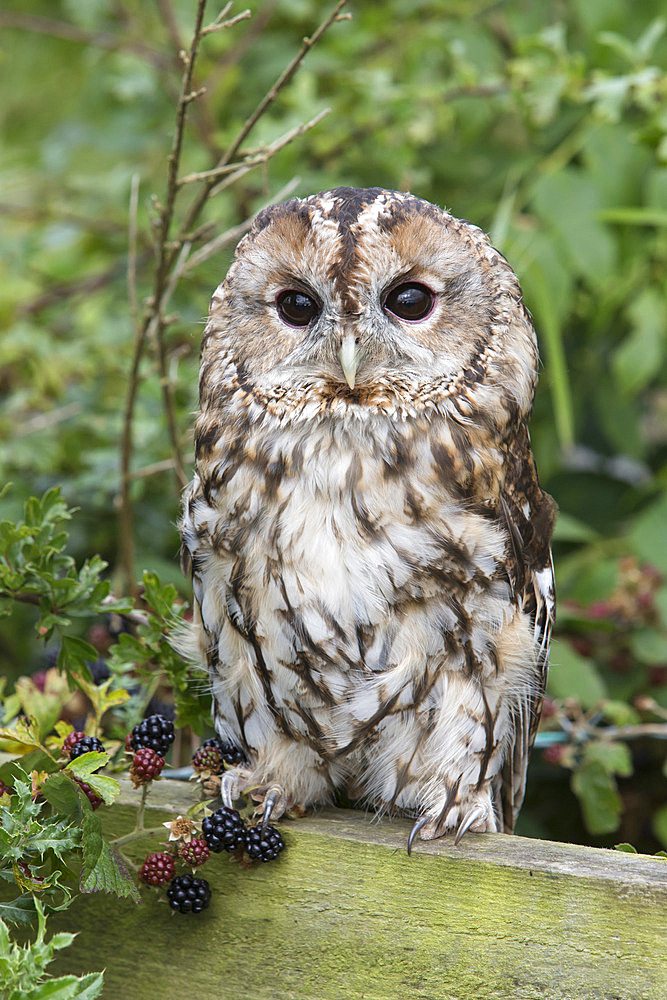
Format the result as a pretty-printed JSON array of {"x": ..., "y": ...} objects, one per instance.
[{"x": 344, "y": 913}]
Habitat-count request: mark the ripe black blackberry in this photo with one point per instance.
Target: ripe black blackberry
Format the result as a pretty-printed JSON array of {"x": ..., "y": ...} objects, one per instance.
[
  {"x": 188, "y": 894},
  {"x": 155, "y": 732},
  {"x": 146, "y": 766},
  {"x": 86, "y": 745},
  {"x": 228, "y": 752},
  {"x": 195, "y": 852},
  {"x": 224, "y": 830},
  {"x": 157, "y": 869},
  {"x": 71, "y": 741},
  {"x": 263, "y": 845}
]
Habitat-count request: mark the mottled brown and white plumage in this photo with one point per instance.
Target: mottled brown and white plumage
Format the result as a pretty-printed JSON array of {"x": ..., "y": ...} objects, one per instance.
[{"x": 367, "y": 536}]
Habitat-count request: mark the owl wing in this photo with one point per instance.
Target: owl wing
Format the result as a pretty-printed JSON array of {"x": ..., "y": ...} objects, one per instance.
[{"x": 529, "y": 515}]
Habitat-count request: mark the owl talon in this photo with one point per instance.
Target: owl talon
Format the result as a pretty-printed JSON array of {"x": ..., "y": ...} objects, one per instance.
[
  {"x": 468, "y": 821},
  {"x": 229, "y": 789},
  {"x": 271, "y": 799},
  {"x": 415, "y": 830}
]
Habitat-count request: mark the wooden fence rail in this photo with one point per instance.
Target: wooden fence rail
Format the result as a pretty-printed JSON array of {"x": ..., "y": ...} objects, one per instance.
[{"x": 344, "y": 913}]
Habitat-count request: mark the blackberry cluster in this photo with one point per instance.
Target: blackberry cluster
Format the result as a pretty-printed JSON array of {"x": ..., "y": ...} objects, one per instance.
[
  {"x": 92, "y": 796},
  {"x": 263, "y": 845},
  {"x": 188, "y": 894},
  {"x": 195, "y": 852},
  {"x": 146, "y": 766},
  {"x": 155, "y": 732},
  {"x": 71, "y": 740},
  {"x": 85, "y": 745},
  {"x": 224, "y": 830},
  {"x": 157, "y": 869},
  {"x": 228, "y": 752}
]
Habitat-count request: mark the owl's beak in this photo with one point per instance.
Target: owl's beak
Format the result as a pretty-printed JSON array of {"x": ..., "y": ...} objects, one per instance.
[{"x": 348, "y": 355}]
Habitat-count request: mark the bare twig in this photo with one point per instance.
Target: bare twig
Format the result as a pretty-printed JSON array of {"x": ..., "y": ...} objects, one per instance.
[
  {"x": 173, "y": 254},
  {"x": 236, "y": 170},
  {"x": 42, "y": 421},
  {"x": 235, "y": 232},
  {"x": 220, "y": 24},
  {"x": 249, "y": 124}
]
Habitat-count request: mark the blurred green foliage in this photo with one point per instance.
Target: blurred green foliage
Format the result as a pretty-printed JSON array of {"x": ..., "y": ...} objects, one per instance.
[{"x": 544, "y": 124}]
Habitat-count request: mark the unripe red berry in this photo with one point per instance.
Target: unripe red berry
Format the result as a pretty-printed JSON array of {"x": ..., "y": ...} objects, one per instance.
[
  {"x": 195, "y": 852},
  {"x": 146, "y": 766},
  {"x": 157, "y": 869}
]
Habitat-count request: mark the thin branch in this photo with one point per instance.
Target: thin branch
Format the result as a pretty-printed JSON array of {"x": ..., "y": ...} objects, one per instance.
[
  {"x": 267, "y": 100},
  {"x": 236, "y": 232},
  {"x": 152, "y": 323},
  {"x": 42, "y": 421},
  {"x": 240, "y": 168},
  {"x": 220, "y": 25}
]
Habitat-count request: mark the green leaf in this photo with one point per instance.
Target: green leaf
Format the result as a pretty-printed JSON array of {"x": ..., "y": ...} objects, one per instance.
[
  {"x": 84, "y": 768},
  {"x": 68, "y": 988},
  {"x": 573, "y": 676},
  {"x": 84, "y": 765},
  {"x": 598, "y": 797},
  {"x": 19, "y": 911},
  {"x": 615, "y": 758},
  {"x": 639, "y": 357},
  {"x": 103, "y": 869},
  {"x": 625, "y": 848},
  {"x": 660, "y": 825},
  {"x": 619, "y": 713},
  {"x": 64, "y": 795}
]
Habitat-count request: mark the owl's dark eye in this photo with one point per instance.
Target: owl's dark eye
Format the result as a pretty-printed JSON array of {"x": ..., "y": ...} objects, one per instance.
[
  {"x": 296, "y": 308},
  {"x": 411, "y": 301}
]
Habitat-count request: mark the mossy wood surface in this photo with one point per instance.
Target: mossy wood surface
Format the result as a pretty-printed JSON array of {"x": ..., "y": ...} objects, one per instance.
[{"x": 344, "y": 913}]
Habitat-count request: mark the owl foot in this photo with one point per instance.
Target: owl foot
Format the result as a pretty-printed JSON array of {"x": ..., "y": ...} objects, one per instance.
[
  {"x": 474, "y": 813},
  {"x": 274, "y": 796},
  {"x": 232, "y": 785}
]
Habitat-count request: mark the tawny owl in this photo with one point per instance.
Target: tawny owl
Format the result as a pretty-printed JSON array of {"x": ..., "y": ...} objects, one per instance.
[{"x": 367, "y": 536}]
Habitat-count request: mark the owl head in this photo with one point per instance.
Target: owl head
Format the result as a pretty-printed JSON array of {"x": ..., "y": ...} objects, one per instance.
[{"x": 366, "y": 298}]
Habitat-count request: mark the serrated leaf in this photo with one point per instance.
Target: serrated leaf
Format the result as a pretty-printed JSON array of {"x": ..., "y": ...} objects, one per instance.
[
  {"x": 103, "y": 869},
  {"x": 107, "y": 788},
  {"x": 19, "y": 911},
  {"x": 84, "y": 765},
  {"x": 598, "y": 797},
  {"x": 63, "y": 794},
  {"x": 68, "y": 988}
]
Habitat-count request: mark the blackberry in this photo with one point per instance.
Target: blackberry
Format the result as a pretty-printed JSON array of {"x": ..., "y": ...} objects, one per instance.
[
  {"x": 195, "y": 852},
  {"x": 207, "y": 759},
  {"x": 224, "y": 830},
  {"x": 228, "y": 752},
  {"x": 86, "y": 745},
  {"x": 93, "y": 797},
  {"x": 188, "y": 894},
  {"x": 146, "y": 766},
  {"x": 155, "y": 732},
  {"x": 263, "y": 845},
  {"x": 6, "y": 789},
  {"x": 71, "y": 740},
  {"x": 157, "y": 869}
]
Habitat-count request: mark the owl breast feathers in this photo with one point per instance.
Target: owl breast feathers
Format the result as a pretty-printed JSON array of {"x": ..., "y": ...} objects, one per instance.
[{"x": 366, "y": 533}]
